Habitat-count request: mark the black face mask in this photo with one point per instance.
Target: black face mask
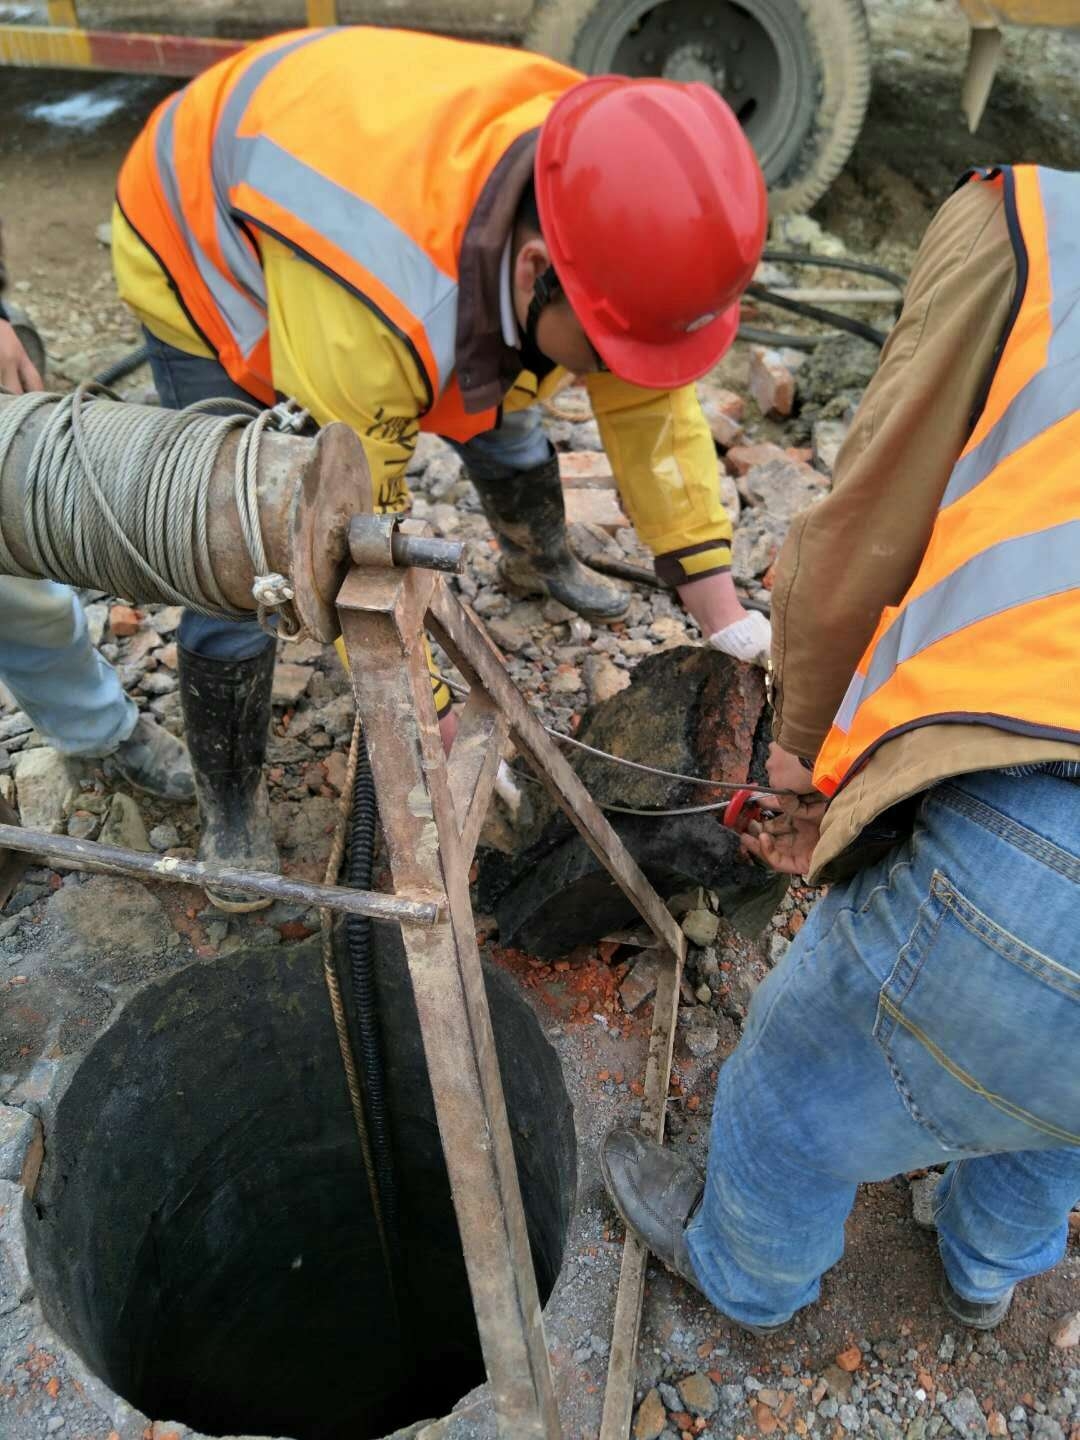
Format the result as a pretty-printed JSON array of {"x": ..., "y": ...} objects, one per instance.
[{"x": 545, "y": 290}]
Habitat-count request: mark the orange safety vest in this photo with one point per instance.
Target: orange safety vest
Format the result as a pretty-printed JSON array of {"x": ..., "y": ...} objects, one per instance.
[
  {"x": 363, "y": 150},
  {"x": 989, "y": 632}
]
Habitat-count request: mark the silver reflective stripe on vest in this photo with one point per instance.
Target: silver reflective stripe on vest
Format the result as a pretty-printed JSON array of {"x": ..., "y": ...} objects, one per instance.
[
  {"x": 242, "y": 263},
  {"x": 362, "y": 232},
  {"x": 245, "y": 320},
  {"x": 1050, "y": 396},
  {"x": 1012, "y": 573}
]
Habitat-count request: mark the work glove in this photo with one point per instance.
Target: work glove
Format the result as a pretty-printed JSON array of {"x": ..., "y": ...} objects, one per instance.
[{"x": 748, "y": 639}]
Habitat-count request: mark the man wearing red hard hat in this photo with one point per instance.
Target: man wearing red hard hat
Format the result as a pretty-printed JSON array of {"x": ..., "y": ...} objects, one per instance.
[{"x": 409, "y": 233}]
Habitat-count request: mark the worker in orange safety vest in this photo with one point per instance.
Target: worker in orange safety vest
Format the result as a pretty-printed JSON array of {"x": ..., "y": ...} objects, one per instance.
[
  {"x": 406, "y": 232},
  {"x": 928, "y": 758}
]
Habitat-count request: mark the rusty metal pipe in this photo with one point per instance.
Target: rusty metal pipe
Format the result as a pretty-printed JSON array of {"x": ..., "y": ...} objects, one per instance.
[
  {"x": 68, "y": 854},
  {"x": 309, "y": 489}
]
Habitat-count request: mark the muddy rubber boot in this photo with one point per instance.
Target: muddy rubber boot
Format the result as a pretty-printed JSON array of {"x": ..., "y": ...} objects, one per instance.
[
  {"x": 151, "y": 759},
  {"x": 226, "y": 707},
  {"x": 658, "y": 1194},
  {"x": 526, "y": 510}
]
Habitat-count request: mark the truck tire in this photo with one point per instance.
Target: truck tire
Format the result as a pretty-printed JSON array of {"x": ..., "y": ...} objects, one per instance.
[{"x": 796, "y": 72}]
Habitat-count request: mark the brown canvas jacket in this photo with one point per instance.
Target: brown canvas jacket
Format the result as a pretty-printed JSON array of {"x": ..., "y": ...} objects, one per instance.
[{"x": 858, "y": 551}]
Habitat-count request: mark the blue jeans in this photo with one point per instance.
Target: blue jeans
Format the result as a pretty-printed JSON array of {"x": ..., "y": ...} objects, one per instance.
[
  {"x": 182, "y": 380},
  {"x": 928, "y": 1012},
  {"x": 73, "y": 697}
]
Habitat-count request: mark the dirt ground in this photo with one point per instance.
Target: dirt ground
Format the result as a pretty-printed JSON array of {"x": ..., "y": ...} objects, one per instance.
[{"x": 56, "y": 182}]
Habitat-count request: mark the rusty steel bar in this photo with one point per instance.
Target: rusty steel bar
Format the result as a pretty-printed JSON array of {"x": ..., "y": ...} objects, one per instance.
[
  {"x": 428, "y": 553},
  {"x": 382, "y": 620},
  {"x": 309, "y": 490},
  {"x": 378, "y": 540},
  {"x": 69, "y": 854}
]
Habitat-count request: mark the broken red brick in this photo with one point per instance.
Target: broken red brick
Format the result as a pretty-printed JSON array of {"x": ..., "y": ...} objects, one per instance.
[
  {"x": 595, "y": 507},
  {"x": 124, "y": 621},
  {"x": 771, "y": 382},
  {"x": 743, "y": 458},
  {"x": 586, "y": 470},
  {"x": 849, "y": 1359},
  {"x": 723, "y": 413},
  {"x": 294, "y": 930}
]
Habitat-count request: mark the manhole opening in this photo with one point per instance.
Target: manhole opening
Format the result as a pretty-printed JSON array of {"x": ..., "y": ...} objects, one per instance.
[{"x": 206, "y": 1240}]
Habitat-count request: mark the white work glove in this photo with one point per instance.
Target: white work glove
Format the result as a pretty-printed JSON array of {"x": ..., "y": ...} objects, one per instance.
[
  {"x": 748, "y": 639},
  {"x": 506, "y": 788}
]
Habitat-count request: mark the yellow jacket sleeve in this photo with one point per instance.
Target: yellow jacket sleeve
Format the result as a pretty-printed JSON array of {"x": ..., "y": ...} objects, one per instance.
[
  {"x": 342, "y": 362},
  {"x": 664, "y": 460}
]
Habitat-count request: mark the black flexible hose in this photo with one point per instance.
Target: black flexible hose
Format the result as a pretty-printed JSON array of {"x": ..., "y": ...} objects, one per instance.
[
  {"x": 828, "y": 262},
  {"x": 814, "y": 312},
  {"x": 779, "y": 339},
  {"x": 359, "y": 870},
  {"x": 124, "y": 366}
]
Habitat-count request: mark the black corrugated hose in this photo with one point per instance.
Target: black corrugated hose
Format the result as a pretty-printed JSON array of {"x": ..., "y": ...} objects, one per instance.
[
  {"x": 124, "y": 366},
  {"x": 359, "y": 871}
]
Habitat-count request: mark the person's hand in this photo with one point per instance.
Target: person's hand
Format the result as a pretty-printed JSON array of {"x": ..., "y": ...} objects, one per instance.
[
  {"x": 787, "y": 772},
  {"x": 17, "y": 373},
  {"x": 787, "y": 842}
]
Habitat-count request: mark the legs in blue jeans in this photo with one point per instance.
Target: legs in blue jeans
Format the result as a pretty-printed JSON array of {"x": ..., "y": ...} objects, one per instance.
[
  {"x": 182, "y": 380},
  {"x": 520, "y": 443},
  {"x": 926, "y": 1013},
  {"x": 72, "y": 695}
]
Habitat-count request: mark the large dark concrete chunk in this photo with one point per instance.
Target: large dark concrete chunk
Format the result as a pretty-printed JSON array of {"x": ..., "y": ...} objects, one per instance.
[{"x": 689, "y": 710}]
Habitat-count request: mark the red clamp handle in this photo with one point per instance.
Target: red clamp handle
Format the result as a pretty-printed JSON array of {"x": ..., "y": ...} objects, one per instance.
[{"x": 741, "y": 809}]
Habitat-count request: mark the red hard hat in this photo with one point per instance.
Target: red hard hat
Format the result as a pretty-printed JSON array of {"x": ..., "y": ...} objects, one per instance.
[{"x": 653, "y": 208}]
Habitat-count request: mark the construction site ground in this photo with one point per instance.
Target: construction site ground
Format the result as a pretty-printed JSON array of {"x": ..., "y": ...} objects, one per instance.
[{"x": 878, "y": 1356}]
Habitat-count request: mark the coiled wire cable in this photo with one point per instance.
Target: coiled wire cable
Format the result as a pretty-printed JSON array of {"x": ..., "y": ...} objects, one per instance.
[{"x": 116, "y": 497}]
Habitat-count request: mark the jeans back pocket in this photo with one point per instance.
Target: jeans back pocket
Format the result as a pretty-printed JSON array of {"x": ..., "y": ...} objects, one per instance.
[{"x": 980, "y": 1028}]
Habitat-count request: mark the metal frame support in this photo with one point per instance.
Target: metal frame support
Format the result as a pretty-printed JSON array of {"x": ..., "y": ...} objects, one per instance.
[{"x": 432, "y": 809}]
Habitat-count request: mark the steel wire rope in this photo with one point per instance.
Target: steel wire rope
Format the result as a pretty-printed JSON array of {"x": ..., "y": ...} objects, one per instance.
[{"x": 116, "y": 497}]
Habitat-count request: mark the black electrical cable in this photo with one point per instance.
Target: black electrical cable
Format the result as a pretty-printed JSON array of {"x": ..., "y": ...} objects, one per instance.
[
  {"x": 828, "y": 262},
  {"x": 122, "y": 367},
  {"x": 358, "y": 948},
  {"x": 814, "y": 312},
  {"x": 779, "y": 339}
]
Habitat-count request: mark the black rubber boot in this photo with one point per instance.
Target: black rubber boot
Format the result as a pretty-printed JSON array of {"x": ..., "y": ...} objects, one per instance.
[
  {"x": 227, "y": 718},
  {"x": 526, "y": 510}
]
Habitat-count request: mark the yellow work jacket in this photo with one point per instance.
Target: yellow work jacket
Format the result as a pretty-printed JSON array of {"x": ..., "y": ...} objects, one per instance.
[{"x": 307, "y": 213}]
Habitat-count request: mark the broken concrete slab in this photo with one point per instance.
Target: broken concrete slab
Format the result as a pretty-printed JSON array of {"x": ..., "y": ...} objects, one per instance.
[
  {"x": 124, "y": 825},
  {"x": 17, "y": 1132},
  {"x": 290, "y": 682},
  {"x": 45, "y": 787}
]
